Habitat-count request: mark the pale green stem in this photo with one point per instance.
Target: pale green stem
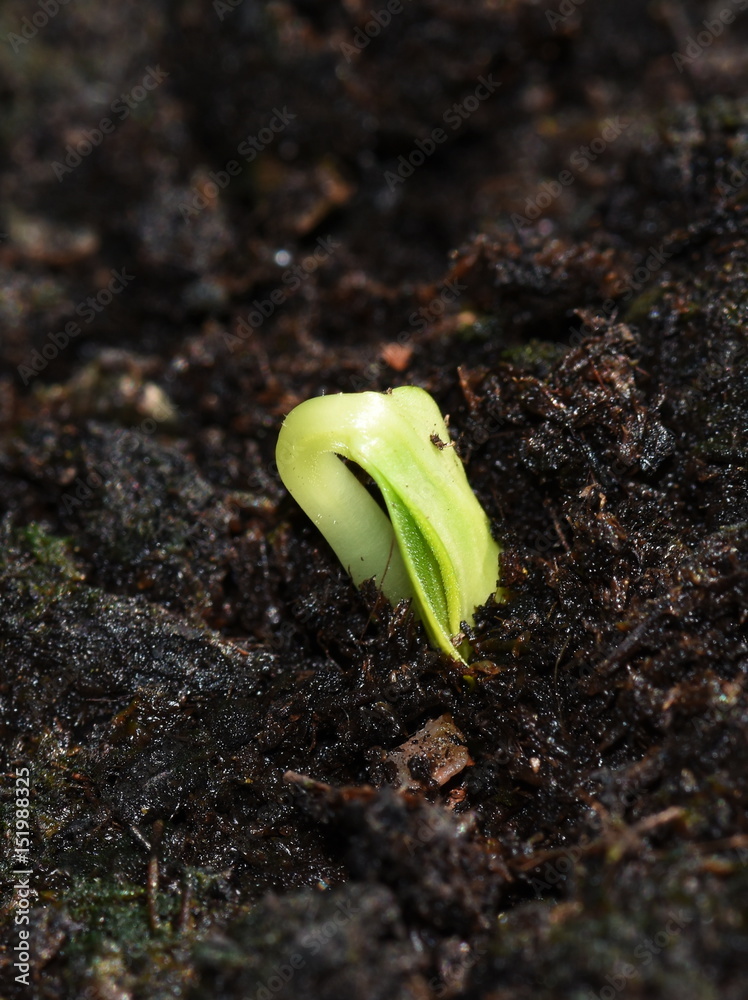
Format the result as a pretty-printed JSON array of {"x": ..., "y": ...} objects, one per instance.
[{"x": 436, "y": 547}]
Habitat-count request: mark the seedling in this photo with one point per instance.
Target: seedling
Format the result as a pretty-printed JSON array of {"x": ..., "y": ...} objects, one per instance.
[{"x": 435, "y": 547}]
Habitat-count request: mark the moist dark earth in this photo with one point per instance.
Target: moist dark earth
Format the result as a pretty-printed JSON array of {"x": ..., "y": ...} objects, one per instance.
[{"x": 538, "y": 214}]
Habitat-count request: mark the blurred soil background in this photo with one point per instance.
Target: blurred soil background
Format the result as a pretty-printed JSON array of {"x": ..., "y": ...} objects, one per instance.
[{"x": 247, "y": 779}]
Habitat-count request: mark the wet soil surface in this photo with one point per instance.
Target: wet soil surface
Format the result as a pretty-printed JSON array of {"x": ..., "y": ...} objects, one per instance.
[{"x": 246, "y": 778}]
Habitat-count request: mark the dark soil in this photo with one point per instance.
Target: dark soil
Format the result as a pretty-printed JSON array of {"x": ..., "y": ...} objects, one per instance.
[{"x": 207, "y": 708}]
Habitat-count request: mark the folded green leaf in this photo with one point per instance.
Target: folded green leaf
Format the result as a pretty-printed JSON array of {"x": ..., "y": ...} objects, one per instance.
[{"x": 435, "y": 547}]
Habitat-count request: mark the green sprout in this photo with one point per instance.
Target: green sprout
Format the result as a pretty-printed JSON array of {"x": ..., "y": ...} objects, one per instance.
[{"x": 435, "y": 548}]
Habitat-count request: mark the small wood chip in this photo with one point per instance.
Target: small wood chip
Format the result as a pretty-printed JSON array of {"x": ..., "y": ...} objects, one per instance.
[{"x": 431, "y": 757}]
